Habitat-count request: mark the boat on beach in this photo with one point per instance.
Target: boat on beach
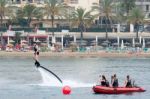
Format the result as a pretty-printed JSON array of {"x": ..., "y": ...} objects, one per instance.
[{"x": 119, "y": 90}]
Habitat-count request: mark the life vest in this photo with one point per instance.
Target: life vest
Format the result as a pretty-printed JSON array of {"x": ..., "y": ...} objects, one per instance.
[
  {"x": 105, "y": 83},
  {"x": 35, "y": 49},
  {"x": 115, "y": 83},
  {"x": 129, "y": 84}
]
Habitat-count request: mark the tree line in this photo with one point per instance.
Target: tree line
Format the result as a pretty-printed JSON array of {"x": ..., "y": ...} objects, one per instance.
[{"x": 121, "y": 11}]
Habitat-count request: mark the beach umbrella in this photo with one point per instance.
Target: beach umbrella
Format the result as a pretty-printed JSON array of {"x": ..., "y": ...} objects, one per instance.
[
  {"x": 137, "y": 44},
  {"x": 58, "y": 43},
  {"x": 122, "y": 44},
  {"x": 37, "y": 41},
  {"x": 83, "y": 41},
  {"x": 73, "y": 43},
  {"x": 10, "y": 45},
  {"x": 24, "y": 41},
  {"x": 115, "y": 44},
  {"x": 105, "y": 43},
  {"x": 127, "y": 44},
  {"x": 93, "y": 43},
  {"x": 11, "y": 41},
  {"x": 23, "y": 44}
]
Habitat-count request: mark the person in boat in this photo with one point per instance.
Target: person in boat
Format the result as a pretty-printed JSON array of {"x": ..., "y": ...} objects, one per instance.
[
  {"x": 128, "y": 82},
  {"x": 114, "y": 81},
  {"x": 104, "y": 81},
  {"x": 36, "y": 55}
]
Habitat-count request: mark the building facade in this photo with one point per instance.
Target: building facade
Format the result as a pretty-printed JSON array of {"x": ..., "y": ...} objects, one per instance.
[
  {"x": 73, "y": 4},
  {"x": 145, "y": 6}
]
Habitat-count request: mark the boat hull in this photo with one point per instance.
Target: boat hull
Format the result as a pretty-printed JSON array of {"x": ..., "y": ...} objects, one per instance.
[{"x": 118, "y": 90}]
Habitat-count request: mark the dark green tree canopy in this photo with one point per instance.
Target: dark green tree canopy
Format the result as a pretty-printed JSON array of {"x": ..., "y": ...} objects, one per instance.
[
  {"x": 127, "y": 5},
  {"x": 29, "y": 12}
]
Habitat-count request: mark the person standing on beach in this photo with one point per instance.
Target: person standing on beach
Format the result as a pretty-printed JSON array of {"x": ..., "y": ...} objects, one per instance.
[{"x": 36, "y": 55}]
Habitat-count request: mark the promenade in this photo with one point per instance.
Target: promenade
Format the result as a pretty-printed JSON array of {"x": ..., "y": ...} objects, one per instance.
[{"x": 102, "y": 54}]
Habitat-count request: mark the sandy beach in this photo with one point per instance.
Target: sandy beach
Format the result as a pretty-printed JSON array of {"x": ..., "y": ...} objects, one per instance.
[{"x": 75, "y": 54}]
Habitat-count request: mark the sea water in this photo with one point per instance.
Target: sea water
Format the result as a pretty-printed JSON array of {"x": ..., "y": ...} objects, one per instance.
[{"x": 20, "y": 79}]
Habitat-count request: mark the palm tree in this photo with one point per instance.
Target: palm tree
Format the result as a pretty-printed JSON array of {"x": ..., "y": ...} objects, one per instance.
[
  {"x": 53, "y": 9},
  {"x": 67, "y": 14},
  {"x": 136, "y": 17},
  {"x": 17, "y": 37},
  {"x": 127, "y": 5},
  {"x": 3, "y": 10},
  {"x": 1, "y": 34},
  {"x": 29, "y": 11},
  {"x": 82, "y": 18},
  {"x": 105, "y": 10}
]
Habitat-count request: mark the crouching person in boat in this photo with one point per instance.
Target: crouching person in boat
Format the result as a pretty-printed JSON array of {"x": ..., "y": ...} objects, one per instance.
[
  {"x": 114, "y": 81},
  {"x": 104, "y": 81},
  {"x": 128, "y": 82}
]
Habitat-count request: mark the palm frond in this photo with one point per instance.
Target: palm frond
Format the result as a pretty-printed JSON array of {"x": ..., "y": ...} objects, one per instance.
[{"x": 136, "y": 16}]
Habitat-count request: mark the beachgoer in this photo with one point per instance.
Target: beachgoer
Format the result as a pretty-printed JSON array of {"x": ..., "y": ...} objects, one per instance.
[
  {"x": 36, "y": 54},
  {"x": 115, "y": 81},
  {"x": 128, "y": 82},
  {"x": 104, "y": 81}
]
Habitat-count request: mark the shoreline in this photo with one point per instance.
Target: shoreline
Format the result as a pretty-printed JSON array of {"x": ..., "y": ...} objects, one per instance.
[{"x": 101, "y": 54}]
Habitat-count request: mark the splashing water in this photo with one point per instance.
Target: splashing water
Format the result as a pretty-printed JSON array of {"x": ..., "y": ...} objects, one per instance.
[{"x": 50, "y": 80}]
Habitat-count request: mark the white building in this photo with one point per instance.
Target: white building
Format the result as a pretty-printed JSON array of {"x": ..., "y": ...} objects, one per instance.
[{"x": 87, "y": 4}]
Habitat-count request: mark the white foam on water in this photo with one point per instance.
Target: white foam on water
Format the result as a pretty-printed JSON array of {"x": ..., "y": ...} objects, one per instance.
[
  {"x": 76, "y": 83},
  {"x": 50, "y": 80}
]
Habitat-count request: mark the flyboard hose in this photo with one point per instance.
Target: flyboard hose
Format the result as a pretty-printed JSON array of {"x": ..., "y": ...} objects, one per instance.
[
  {"x": 51, "y": 73},
  {"x": 37, "y": 64}
]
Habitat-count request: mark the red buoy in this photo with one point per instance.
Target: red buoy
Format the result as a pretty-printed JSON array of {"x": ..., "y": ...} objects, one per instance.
[{"x": 66, "y": 90}]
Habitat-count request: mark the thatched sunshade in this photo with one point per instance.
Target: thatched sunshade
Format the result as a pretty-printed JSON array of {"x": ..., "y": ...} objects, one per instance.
[{"x": 11, "y": 41}]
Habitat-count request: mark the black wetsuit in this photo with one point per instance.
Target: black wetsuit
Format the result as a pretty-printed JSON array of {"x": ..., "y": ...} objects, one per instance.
[
  {"x": 37, "y": 63},
  {"x": 36, "y": 52},
  {"x": 115, "y": 83},
  {"x": 129, "y": 83},
  {"x": 105, "y": 83}
]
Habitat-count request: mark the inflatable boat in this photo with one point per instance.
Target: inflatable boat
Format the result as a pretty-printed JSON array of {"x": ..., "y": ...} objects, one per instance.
[{"x": 119, "y": 90}]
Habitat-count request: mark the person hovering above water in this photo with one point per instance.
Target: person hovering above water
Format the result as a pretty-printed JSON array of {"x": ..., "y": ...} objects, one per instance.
[
  {"x": 36, "y": 55},
  {"x": 128, "y": 82},
  {"x": 104, "y": 81},
  {"x": 114, "y": 81}
]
